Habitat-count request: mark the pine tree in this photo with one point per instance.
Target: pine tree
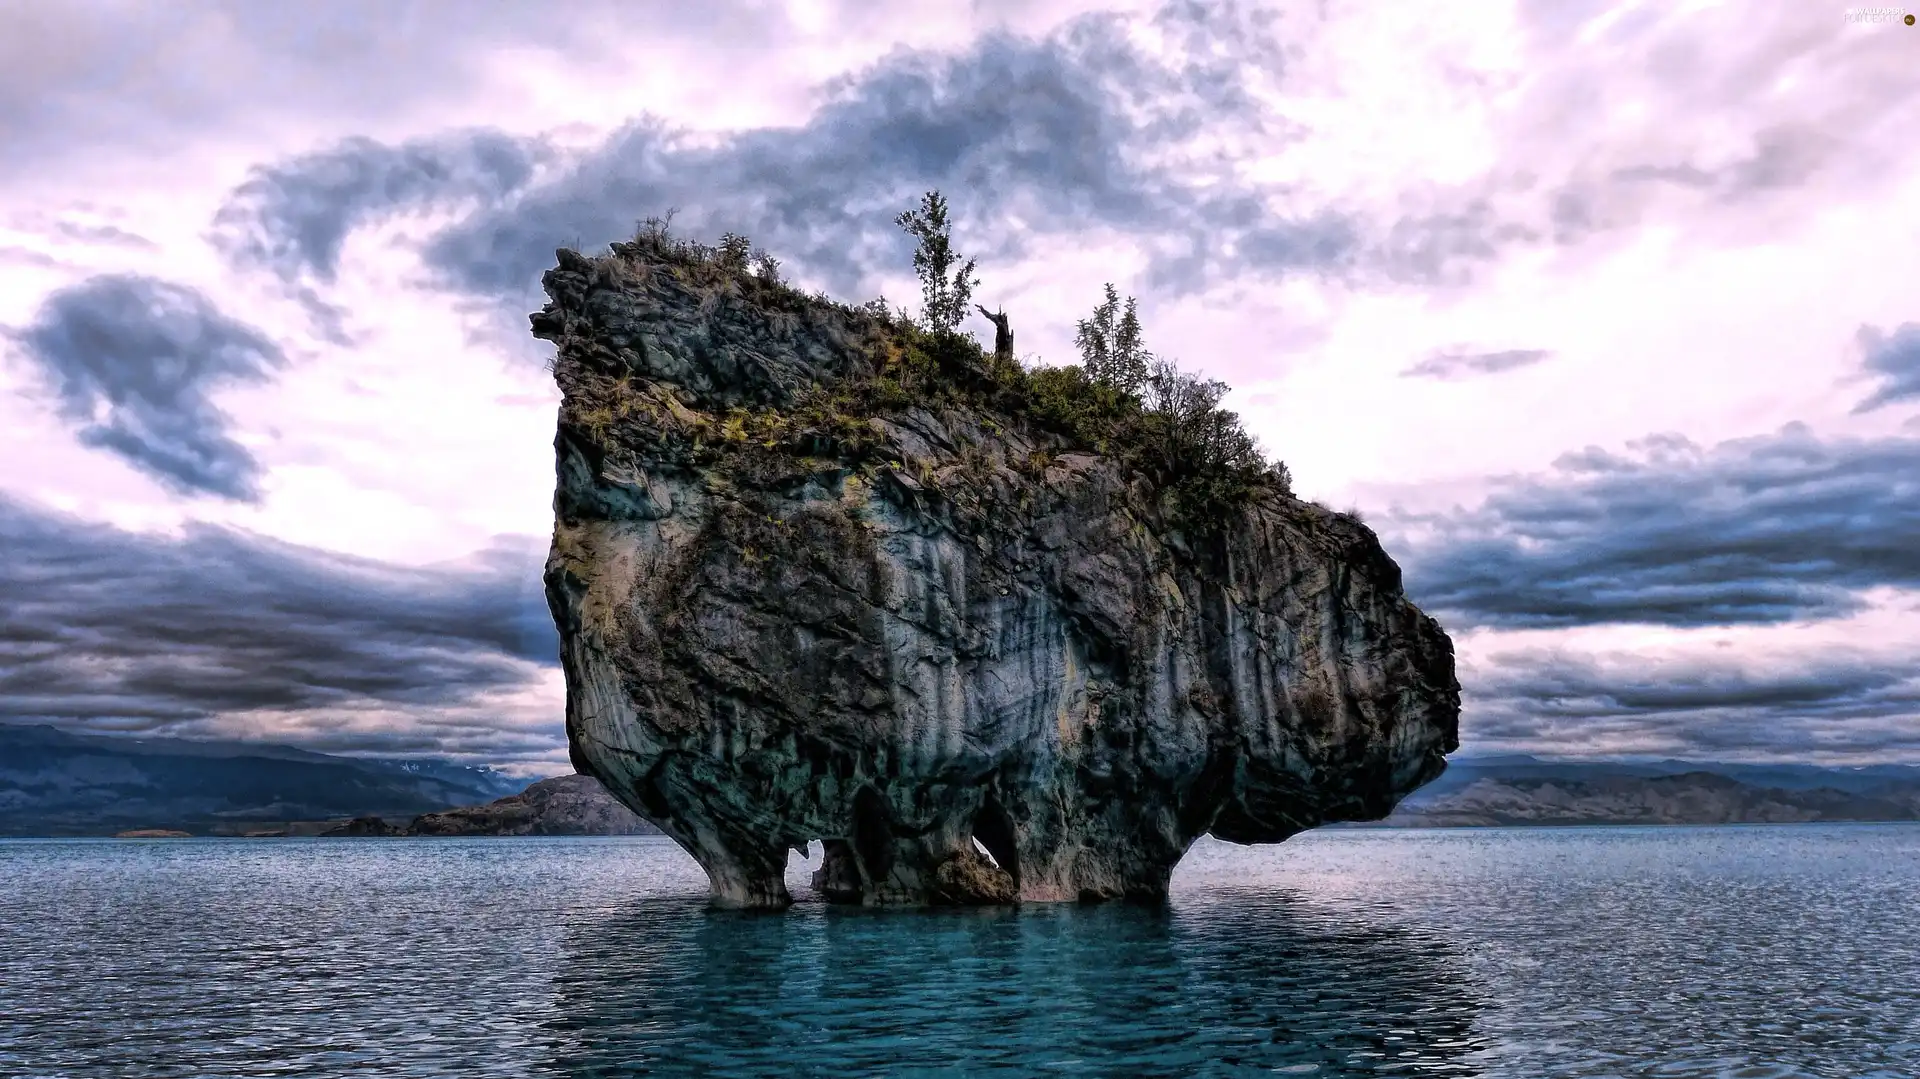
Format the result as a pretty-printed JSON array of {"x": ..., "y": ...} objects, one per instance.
[
  {"x": 1095, "y": 336},
  {"x": 1127, "y": 363},
  {"x": 1112, "y": 352}
]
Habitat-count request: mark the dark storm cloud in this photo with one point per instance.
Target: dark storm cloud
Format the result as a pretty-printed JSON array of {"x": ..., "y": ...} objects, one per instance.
[
  {"x": 291, "y": 217},
  {"x": 1087, "y": 130},
  {"x": 1826, "y": 704},
  {"x": 1029, "y": 138},
  {"x": 1451, "y": 364},
  {"x": 131, "y": 361},
  {"x": 105, "y": 628},
  {"x": 1783, "y": 527},
  {"x": 1895, "y": 358}
]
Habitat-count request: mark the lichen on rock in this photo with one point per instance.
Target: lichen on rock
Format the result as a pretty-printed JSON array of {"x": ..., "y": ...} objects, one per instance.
[{"x": 816, "y": 580}]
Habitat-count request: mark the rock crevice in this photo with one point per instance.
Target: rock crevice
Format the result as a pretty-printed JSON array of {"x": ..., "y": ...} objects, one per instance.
[{"x": 975, "y": 661}]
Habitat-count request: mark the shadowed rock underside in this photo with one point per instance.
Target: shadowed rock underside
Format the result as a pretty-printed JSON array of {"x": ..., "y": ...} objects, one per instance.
[{"x": 976, "y": 664}]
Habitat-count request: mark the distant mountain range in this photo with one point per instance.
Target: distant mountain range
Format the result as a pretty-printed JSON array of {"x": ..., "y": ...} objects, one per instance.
[
  {"x": 1518, "y": 790},
  {"x": 56, "y": 783}
]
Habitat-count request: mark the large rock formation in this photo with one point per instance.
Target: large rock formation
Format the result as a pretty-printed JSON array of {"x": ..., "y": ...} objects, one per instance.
[
  {"x": 977, "y": 664},
  {"x": 561, "y": 805}
]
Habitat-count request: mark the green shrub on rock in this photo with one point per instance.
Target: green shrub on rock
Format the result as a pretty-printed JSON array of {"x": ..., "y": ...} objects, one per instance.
[{"x": 1120, "y": 401}]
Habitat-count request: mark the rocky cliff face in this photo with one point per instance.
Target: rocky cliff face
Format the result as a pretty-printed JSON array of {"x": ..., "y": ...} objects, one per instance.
[
  {"x": 977, "y": 665},
  {"x": 561, "y": 805}
]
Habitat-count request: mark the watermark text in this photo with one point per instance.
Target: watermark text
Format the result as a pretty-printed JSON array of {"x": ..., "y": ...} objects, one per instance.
[{"x": 1878, "y": 15}]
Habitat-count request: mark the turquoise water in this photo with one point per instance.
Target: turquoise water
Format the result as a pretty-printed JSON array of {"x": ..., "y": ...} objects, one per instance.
[{"x": 1744, "y": 953}]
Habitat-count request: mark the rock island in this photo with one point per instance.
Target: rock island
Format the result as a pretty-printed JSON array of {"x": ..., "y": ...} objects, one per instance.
[{"x": 990, "y": 632}]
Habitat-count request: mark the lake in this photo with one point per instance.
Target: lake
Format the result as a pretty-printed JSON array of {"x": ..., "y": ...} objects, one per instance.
[{"x": 1737, "y": 952}]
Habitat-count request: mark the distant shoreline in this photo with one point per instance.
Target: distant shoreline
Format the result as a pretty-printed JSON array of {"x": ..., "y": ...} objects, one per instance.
[
  {"x": 1341, "y": 826},
  {"x": 54, "y": 786}
]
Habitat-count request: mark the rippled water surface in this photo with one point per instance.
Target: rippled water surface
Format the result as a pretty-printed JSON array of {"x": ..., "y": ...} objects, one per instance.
[{"x": 1732, "y": 952}]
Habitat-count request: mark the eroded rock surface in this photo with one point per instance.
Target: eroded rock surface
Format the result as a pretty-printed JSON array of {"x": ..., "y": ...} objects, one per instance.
[
  {"x": 935, "y": 629},
  {"x": 561, "y": 805}
]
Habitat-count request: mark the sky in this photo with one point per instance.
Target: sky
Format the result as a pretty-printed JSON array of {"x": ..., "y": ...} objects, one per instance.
[{"x": 1604, "y": 316}]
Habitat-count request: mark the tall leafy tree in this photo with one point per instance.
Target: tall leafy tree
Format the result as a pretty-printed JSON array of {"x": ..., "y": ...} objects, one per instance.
[{"x": 946, "y": 284}]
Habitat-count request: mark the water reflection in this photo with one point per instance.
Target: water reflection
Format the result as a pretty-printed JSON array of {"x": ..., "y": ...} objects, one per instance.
[
  {"x": 1234, "y": 983},
  {"x": 1720, "y": 953}
]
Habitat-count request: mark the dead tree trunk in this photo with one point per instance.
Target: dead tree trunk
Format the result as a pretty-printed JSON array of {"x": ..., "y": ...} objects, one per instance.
[{"x": 1002, "y": 336}]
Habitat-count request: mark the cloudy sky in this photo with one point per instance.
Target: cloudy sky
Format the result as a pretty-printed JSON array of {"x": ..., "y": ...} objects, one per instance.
[{"x": 1605, "y": 315}]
